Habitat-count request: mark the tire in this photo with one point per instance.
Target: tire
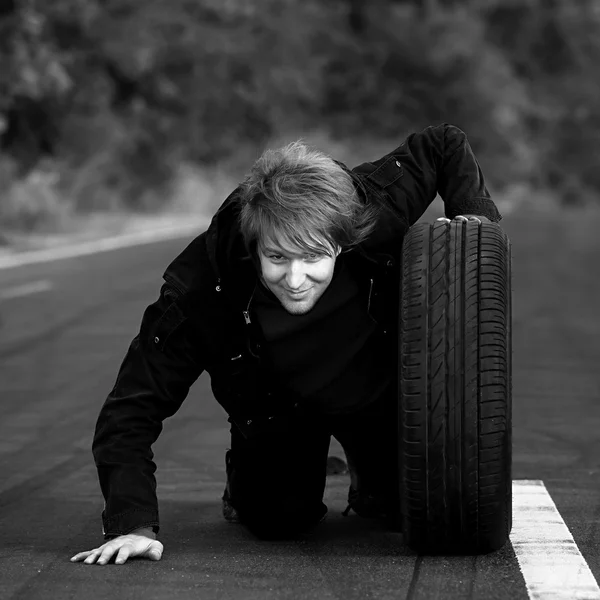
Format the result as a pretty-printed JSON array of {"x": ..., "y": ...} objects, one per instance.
[{"x": 455, "y": 384}]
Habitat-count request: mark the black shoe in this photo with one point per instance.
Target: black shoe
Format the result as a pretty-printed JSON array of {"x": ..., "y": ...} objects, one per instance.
[
  {"x": 366, "y": 505},
  {"x": 230, "y": 514}
]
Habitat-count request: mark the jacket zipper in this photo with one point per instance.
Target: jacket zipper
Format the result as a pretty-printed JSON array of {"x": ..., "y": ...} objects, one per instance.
[
  {"x": 370, "y": 293},
  {"x": 246, "y": 312},
  {"x": 248, "y": 321}
]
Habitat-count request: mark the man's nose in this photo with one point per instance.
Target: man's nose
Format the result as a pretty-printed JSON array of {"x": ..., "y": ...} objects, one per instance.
[{"x": 295, "y": 275}]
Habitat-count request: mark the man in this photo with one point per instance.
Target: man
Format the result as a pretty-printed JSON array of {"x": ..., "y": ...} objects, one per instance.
[{"x": 290, "y": 301}]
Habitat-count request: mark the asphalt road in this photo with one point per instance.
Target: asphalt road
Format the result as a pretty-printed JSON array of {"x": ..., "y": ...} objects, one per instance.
[{"x": 60, "y": 347}]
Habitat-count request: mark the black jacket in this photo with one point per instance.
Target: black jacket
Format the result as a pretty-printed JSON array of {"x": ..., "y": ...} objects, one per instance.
[{"x": 200, "y": 320}]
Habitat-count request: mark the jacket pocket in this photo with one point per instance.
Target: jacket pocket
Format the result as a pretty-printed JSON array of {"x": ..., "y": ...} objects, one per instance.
[
  {"x": 386, "y": 173},
  {"x": 166, "y": 325},
  {"x": 235, "y": 383}
]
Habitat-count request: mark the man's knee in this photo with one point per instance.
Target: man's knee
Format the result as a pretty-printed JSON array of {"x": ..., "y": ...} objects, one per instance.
[
  {"x": 280, "y": 519},
  {"x": 274, "y": 504}
]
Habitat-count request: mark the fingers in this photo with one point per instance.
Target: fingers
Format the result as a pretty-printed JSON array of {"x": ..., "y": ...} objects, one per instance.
[
  {"x": 155, "y": 551},
  {"x": 88, "y": 557},
  {"x": 123, "y": 555},
  {"x": 81, "y": 555},
  {"x": 106, "y": 554},
  {"x": 124, "y": 547},
  {"x": 460, "y": 218},
  {"x": 100, "y": 555}
]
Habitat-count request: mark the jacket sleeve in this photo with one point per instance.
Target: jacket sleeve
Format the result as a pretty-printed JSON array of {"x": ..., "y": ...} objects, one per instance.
[
  {"x": 153, "y": 381},
  {"x": 438, "y": 159}
]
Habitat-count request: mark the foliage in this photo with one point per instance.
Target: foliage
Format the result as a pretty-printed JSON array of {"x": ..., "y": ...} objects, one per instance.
[{"x": 117, "y": 94}]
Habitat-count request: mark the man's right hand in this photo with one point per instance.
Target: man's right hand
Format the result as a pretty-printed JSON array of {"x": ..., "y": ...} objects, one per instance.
[{"x": 141, "y": 542}]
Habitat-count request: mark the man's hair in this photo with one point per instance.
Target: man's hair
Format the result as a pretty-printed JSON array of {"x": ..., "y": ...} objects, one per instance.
[{"x": 302, "y": 197}]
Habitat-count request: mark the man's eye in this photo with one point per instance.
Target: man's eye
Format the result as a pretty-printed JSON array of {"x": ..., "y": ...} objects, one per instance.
[{"x": 276, "y": 257}]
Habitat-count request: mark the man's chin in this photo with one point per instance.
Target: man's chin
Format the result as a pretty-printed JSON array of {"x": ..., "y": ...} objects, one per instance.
[{"x": 298, "y": 308}]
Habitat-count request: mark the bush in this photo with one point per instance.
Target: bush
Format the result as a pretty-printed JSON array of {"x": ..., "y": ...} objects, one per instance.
[
  {"x": 31, "y": 203},
  {"x": 117, "y": 94},
  {"x": 405, "y": 78}
]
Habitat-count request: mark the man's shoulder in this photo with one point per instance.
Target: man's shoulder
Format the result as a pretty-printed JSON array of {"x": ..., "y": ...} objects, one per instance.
[{"x": 191, "y": 268}]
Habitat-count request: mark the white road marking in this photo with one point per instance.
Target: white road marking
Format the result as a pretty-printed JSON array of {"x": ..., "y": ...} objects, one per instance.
[
  {"x": 550, "y": 561},
  {"x": 195, "y": 226},
  {"x": 25, "y": 290}
]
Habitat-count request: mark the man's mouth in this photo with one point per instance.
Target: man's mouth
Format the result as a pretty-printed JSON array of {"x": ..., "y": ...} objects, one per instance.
[{"x": 298, "y": 294}]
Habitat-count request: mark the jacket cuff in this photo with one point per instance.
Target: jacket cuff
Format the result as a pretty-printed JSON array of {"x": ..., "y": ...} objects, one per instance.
[
  {"x": 475, "y": 206},
  {"x": 128, "y": 521}
]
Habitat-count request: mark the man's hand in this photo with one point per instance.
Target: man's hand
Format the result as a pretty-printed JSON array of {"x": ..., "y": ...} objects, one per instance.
[
  {"x": 141, "y": 542},
  {"x": 479, "y": 218}
]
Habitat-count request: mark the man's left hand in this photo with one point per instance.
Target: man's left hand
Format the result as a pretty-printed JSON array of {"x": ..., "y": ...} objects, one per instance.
[{"x": 479, "y": 218}]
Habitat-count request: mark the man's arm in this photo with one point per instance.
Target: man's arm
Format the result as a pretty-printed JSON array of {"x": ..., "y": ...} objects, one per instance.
[
  {"x": 153, "y": 381},
  {"x": 436, "y": 160}
]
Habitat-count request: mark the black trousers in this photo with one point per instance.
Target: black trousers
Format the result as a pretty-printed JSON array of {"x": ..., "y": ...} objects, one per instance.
[{"x": 276, "y": 480}]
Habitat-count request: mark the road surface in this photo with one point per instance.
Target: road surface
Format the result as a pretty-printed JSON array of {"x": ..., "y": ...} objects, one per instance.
[{"x": 65, "y": 327}]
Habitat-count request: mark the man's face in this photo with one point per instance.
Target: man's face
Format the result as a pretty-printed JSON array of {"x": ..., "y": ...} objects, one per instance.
[{"x": 297, "y": 278}]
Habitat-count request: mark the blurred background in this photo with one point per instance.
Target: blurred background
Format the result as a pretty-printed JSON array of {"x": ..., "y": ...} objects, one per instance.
[{"x": 145, "y": 106}]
